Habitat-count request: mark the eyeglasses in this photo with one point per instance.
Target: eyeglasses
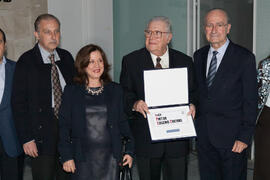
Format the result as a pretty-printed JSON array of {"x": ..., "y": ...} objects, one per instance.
[
  {"x": 217, "y": 25},
  {"x": 156, "y": 34}
]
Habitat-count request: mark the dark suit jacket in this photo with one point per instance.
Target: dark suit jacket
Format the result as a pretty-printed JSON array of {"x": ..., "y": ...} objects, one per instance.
[
  {"x": 7, "y": 128},
  {"x": 227, "y": 111},
  {"x": 72, "y": 121},
  {"x": 132, "y": 81},
  {"x": 32, "y": 98}
]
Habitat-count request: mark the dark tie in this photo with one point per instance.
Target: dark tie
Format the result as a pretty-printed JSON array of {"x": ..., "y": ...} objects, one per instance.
[
  {"x": 158, "y": 65},
  {"x": 57, "y": 89},
  {"x": 212, "y": 69}
]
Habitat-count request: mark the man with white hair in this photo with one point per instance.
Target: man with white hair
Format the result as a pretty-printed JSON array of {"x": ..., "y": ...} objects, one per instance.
[{"x": 169, "y": 156}]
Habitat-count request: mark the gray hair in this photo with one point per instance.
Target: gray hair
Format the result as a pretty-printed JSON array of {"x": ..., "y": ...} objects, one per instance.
[
  {"x": 163, "y": 19},
  {"x": 45, "y": 17}
]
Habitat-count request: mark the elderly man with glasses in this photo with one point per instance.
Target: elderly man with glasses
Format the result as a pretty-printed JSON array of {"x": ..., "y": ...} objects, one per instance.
[{"x": 170, "y": 156}]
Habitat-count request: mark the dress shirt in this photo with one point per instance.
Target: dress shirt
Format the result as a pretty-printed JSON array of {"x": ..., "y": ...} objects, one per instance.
[
  {"x": 2, "y": 78},
  {"x": 164, "y": 59},
  {"x": 46, "y": 60},
  {"x": 221, "y": 51}
]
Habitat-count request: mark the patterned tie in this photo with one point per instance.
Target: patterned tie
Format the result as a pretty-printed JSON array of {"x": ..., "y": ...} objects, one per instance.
[
  {"x": 212, "y": 69},
  {"x": 57, "y": 89},
  {"x": 158, "y": 65}
]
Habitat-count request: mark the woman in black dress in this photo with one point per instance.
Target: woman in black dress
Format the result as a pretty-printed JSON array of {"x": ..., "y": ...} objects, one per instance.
[{"x": 92, "y": 121}]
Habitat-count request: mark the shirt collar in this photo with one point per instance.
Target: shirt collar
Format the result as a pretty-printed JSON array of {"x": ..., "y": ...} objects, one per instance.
[
  {"x": 220, "y": 50},
  {"x": 4, "y": 61},
  {"x": 45, "y": 55}
]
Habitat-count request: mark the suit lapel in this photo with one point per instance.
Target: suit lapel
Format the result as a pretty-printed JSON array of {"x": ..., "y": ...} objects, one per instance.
[
  {"x": 171, "y": 59},
  {"x": 204, "y": 64},
  {"x": 146, "y": 60},
  {"x": 108, "y": 100},
  {"x": 81, "y": 100}
]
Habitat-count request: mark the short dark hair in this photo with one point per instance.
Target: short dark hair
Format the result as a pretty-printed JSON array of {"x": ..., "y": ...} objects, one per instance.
[
  {"x": 4, "y": 35},
  {"x": 82, "y": 61},
  {"x": 44, "y": 17}
]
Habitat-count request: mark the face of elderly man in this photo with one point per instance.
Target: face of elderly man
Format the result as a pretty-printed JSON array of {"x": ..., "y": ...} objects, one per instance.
[
  {"x": 48, "y": 34},
  {"x": 157, "y": 37},
  {"x": 216, "y": 28}
]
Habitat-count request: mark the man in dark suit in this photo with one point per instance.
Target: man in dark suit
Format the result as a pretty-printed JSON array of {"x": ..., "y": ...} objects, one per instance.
[
  {"x": 152, "y": 157},
  {"x": 226, "y": 111},
  {"x": 10, "y": 148},
  {"x": 40, "y": 76}
]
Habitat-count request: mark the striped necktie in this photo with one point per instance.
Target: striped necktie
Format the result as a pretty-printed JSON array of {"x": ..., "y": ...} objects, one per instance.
[{"x": 212, "y": 69}]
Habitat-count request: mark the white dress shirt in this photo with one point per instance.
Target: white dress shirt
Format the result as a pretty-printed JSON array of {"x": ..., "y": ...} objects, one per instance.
[
  {"x": 2, "y": 78},
  {"x": 164, "y": 59}
]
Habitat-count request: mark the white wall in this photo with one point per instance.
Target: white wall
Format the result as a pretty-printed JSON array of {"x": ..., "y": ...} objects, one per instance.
[{"x": 84, "y": 22}]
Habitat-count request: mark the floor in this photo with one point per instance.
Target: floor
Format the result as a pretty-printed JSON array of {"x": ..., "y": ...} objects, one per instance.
[{"x": 193, "y": 171}]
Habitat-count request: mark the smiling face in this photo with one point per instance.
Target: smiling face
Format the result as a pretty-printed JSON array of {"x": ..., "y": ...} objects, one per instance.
[
  {"x": 48, "y": 34},
  {"x": 216, "y": 28},
  {"x": 154, "y": 44},
  {"x": 95, "y": 68}
]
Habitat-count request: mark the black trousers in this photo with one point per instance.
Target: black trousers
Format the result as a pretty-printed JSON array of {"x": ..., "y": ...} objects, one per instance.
[
  {"x": 172, "y": 168},
  {"x": 221, "y": 164},
  {"x": 48, "y": 168},
  {"x": 9, "y": 166}
]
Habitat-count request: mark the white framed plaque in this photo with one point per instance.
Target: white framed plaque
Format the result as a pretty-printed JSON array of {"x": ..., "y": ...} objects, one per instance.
[{"x": 166, "y": 94}]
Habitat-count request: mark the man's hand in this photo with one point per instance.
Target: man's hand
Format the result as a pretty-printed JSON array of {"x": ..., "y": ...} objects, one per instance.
[
  {"x": 127, "y": 159},
  {"x": 192, "y": 110},
  {"x": 239, "y": 146},
  {"x": 141, "y": 107},
  {"x": 30, "y": 148},
  {"x": 69, "y": 166}
]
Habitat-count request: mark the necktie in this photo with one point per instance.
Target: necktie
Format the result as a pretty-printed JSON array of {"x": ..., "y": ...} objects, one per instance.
[
  {"x": 212, "y": 69},
  {"x": 57, "y": 89},
  {"x": 158, "y": 65}
]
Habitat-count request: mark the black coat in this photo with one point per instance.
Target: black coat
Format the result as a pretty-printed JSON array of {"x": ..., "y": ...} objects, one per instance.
[
  {"x": 72, "y": 122},
  {"x": 227, "y": 111},
  {"x": 132, "y": 81},
  {"x": 32, "y": 98}
]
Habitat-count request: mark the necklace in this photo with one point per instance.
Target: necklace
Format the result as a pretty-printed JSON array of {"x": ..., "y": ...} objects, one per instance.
[{"x": 95, "y": 91}]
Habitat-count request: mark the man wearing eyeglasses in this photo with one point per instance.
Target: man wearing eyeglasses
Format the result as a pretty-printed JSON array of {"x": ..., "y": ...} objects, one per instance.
[
  {"x": 226, "y": 112},
  {"x": 152, "y": 158}
]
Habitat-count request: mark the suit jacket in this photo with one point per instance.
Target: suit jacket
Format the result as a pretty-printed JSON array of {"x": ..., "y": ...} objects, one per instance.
[
  {"x": 32, "y": 98},
  {"x": 227, "y": 110},
  {"x": 72, "y": 122},
  {"x": 132, "y": 81},
  {"x": 7, "y": 128}
]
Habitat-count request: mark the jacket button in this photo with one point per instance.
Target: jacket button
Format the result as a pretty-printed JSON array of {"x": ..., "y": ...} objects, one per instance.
[
  {"x": 40, "y": 127},
  {"x": 39, "y": 110},
  {"x": 111, "y": 126}
]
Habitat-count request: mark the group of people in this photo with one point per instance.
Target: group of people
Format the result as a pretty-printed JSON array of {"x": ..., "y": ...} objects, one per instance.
[{"x": 70, "y": 118}]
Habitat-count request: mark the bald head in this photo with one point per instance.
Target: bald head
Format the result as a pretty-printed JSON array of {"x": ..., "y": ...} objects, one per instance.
[
  {"x": 216, "y": 27},
  {"x": 217, "y": 11}
]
